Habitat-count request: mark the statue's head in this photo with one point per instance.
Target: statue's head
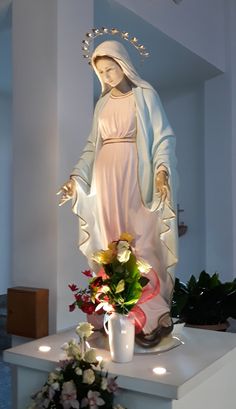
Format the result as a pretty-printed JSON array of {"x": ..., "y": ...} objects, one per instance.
[
  {"x": 109, "y": 61},
  {"x": 110, "y": 72},
  {"x": 112, "y": 57}
]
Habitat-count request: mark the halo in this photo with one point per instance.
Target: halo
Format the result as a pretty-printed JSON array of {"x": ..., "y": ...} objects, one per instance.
[{"x": 124, "y": 35}]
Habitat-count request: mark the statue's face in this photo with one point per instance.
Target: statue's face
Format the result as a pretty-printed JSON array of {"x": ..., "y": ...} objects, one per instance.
[{"x": 109, "y": 71}]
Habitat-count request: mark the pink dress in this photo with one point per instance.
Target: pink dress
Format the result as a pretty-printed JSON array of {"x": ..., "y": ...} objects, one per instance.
[{"x": 119, "y": 201}]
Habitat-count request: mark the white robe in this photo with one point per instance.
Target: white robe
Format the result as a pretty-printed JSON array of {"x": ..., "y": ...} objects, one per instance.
[{"x": 155, "y": 147}]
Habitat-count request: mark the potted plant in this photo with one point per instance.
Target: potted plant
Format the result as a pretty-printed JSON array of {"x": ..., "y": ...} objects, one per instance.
[{"x": 204, "y": 302}]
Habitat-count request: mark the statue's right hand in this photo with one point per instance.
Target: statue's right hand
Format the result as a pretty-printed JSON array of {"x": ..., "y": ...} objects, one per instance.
[{"x": 67, "y": 190}]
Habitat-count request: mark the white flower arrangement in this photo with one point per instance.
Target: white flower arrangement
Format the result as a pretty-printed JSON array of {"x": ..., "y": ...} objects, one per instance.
[
  {"x": 84, "y": 330},
  {"x": 79, "y": 381}
]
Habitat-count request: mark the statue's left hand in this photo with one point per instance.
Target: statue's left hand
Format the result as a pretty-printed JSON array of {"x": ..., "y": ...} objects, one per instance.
[{"x": 162, "y": 185}]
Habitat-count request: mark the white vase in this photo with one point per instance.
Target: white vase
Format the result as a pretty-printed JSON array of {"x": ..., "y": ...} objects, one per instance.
[{"x": 121, "y": 337}]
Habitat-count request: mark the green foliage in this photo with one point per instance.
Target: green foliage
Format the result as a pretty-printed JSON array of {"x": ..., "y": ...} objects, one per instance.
[
  {"x": 205, "y": 300},
  {"x": 124, "y": 284},
  {"x": 120, "y": 281}
]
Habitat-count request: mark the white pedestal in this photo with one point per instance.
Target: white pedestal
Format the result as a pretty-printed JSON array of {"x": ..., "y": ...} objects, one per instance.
[{"x": 200, "y": 373}]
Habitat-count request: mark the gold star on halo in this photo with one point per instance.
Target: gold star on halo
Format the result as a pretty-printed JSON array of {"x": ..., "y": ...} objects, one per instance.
[
  {"x": 114, "y": 31},
  {"x": 95, "y": 32},
  {"x": 89, "y": 35},
  {"x": 125, "y": 35}
]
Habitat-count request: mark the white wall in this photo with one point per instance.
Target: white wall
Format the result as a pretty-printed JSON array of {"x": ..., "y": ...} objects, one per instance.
[
  {"x": 218, "y": 177},
  {"x": 185, "y": 109},
  {"x": 75, "y": 110},
  {"x": 5, "y": 196},
  {"x": 197, "y": 24},
  {"x": 51, "y": 121},
  {"x": 220, "y": 154},
  {"x": 35, "y": 147}
]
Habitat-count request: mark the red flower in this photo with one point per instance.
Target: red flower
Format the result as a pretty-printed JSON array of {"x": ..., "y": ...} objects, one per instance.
[
  {"x": 88, "y": 308},
  {"x": 106, "y": 298},
  {"x": 85, "y": 298},
  {"x": 87, "y": 273},
  {"x": 73, "y": 287},
  {"x": 72, "y": 307},
  {"x": 100, "y": 312},
  {"x": 78, "y": 297},
  {"x": 97, "y": 282}
]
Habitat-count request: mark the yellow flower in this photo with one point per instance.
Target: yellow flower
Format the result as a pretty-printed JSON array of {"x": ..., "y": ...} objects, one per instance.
[
  {"x": 103, "y": 256},
  {"x": 126, "y": 237},
  {"x": 112, "y": 245}
]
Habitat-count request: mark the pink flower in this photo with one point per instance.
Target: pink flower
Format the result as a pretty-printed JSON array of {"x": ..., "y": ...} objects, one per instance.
[
  {"x": 93, "y": 400},
  {"x": 69, "y": 395},
  {"x": 112, "y": 385},
  {"x": 73, "y": 287}
]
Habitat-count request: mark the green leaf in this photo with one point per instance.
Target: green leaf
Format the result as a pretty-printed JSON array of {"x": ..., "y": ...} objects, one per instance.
[
  {"x": 204, "y": 280},
  {"x": 214, "y": 281},
  {"x": 191, "y": 283},
  {"x": 120, "y": 286},
  {"x": 130, "y": 302}
]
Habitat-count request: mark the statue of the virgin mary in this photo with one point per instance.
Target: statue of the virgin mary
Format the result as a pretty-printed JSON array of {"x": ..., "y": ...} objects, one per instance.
[{"x": 125, "y": 180}]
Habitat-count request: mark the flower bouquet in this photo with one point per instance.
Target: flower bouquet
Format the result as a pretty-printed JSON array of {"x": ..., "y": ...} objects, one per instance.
[
  {"x": 79, "y": 381},
  {"x": 118, "y": 285},
  {"x": 115, "y": 290}
]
